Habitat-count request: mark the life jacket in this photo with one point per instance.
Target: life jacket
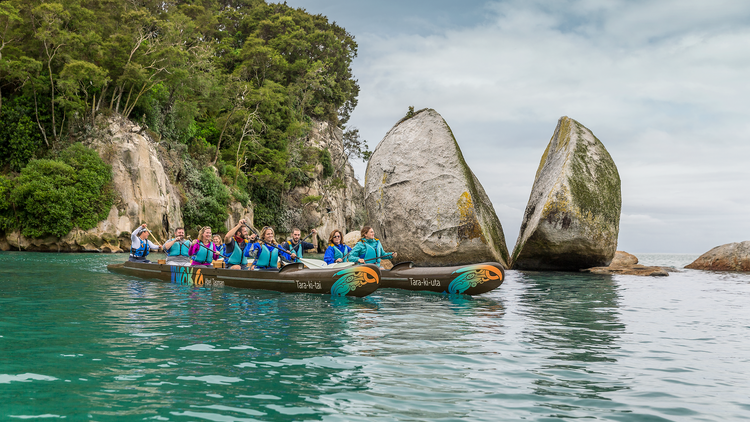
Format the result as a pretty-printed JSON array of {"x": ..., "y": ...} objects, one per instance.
[
  {"x": 371, "y": 251},
  {"x": 181, "y": 249},
  {"x": 267, "y": 258},
  {"x": 204, "y": 255},
  {"x": 295, "y": 249},
  {"x": 142, "y": 250},
  {"x": 237, "y": 257},
  {"x": 337, "y": 252}
]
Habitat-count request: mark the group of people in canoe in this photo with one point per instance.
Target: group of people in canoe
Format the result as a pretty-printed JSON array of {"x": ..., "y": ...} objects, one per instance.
[{"x": 242, "y": 250}]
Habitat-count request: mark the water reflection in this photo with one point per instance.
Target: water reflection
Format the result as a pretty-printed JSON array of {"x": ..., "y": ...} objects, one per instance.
[{"x": 574, "y": 320}]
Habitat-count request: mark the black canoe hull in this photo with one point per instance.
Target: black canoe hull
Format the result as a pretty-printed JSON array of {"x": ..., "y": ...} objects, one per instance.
[
  {"x": 359, "y": 281},
  {"x": 471, "y": 279}
]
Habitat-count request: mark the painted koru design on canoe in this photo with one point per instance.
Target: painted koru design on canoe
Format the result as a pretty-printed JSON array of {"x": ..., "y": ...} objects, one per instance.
[
  {"x": 351, "y": 278},
  {"x": 187, "y": 276},
  {"x": 472, "y": 276}
]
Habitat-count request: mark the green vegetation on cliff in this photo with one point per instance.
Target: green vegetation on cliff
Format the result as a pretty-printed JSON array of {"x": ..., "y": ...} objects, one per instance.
[
  {"x": 238, "y": 82},
  {"x": 52, "y": 196}
]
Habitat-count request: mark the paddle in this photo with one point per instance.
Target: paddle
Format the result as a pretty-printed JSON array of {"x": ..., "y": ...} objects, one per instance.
[{"x": 317, "y": 263}]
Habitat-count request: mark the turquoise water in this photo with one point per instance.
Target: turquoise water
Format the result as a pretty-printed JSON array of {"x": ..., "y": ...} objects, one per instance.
[{"x": 79, "y": 343}]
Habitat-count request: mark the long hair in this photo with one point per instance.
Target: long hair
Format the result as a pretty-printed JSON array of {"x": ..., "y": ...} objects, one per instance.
[
  {"x": 333, "y": 233},
  {"x": 364, "y": 231},
  {"x": 263, "y": 235},
  {"x": 203, "y": 230}
]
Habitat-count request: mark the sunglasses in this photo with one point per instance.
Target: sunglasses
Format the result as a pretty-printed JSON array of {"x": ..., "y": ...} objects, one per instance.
[{"x": 336, "y": 236}]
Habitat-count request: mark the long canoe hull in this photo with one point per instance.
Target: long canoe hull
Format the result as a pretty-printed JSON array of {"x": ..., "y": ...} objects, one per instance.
[
  {"x": 471, "y": 279},
  {"x": 359, "y": 281}
]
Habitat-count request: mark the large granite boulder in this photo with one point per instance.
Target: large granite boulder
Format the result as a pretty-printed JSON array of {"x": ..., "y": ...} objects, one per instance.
[
  {"x": 573, "y": 215},
  {"x": 423, "y": 200},
  {"x": 729, "y": 257}
]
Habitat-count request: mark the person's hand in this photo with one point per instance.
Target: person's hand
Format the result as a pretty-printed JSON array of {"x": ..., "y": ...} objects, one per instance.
[
  {"x": 293, "y": 256},
  {"x": 253, "y": 237},
  {"x": 361, "y": 261},
  {"x": 195, "y": 241},
  {"x": 313, "y": 231},
  {"x": 143, "y": 225},
  {"x": 339, "y": 260},
  {"x": 242, "y": 221},
  {"x": 394, "y": 254}
]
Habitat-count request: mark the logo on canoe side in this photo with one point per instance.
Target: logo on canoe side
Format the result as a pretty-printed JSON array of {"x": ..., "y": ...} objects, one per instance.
[
  {"x": 351, "y": 278},
  {"x": 472, "y": 276},
  {"x": 187, "y": 276}
]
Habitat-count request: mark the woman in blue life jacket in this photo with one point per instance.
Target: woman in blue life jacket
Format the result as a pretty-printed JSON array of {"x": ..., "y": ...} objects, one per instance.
[
  {"x": 219, "y": 244},
  {"x": 266, "y": 251},
  {"x": 140, "y": 246},
  {"x": 177, "y": 248},
  {"x": 368, "y": 249},
  {"x": 203, "y": 251},
  {"x": 337, "y": 250},
  {"x": 235, "y": 242}
]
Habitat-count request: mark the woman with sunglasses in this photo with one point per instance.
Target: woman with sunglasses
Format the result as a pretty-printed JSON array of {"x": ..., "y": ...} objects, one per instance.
[
  {"x": 266, "y": 251},
  {"x": 337, "y": 250},
  {"x": 203, "y": 251}
]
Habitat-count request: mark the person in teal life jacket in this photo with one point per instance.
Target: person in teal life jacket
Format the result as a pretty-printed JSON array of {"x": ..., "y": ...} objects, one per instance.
[
  {"x": 368, "y": 249},
  {"x": 203, "y": 251},
  {"x": 177, "y": 248},
  {"x": 266, "y": 251},
  {"x": 235, "y": 243},
  {"x": 337, "y": 250},
  {"x": 295, "y": 246},
  {"x": 140, "y": 246}
]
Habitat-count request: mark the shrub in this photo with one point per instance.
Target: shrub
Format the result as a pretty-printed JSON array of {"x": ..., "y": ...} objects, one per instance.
[
  {"x": 207, "y": 200},
  {"x": 53, "y": 196}
]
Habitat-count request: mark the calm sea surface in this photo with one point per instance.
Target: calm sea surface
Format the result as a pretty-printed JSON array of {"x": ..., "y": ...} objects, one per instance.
[{"x": 79, "y": 343}]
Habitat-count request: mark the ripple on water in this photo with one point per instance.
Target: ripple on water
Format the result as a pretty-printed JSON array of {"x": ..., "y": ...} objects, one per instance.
[{"x": 543, "y": 346}]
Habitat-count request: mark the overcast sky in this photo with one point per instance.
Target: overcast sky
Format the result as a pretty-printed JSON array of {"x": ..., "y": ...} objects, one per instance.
[{"x": 664, "y": 85}]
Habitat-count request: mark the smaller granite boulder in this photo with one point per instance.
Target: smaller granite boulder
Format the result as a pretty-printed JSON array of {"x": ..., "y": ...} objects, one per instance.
[
  {"x": 729, "y": 257},
  {"x": 573, "y": 215}
]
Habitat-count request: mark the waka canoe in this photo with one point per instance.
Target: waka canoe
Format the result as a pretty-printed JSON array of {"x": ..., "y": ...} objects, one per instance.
[
  {"x": 360, "y": 280},
  {"x": 471, "y": 279}
]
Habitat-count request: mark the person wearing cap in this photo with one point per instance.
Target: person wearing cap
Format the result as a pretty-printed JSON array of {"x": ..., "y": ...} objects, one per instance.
[{"x": 140, "y": 246}]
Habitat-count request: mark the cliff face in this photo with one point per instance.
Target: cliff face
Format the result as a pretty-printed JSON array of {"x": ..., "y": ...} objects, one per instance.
[
  {"x": 144, "y": 194},
  {"x": 333, "y": 202}
]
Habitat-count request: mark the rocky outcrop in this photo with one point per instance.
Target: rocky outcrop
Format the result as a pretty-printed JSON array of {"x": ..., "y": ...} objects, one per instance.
[
  {"x": 627, "y": 264},
  {"x": 573, "y": 215},
  {"x": 423, "y": 200},
  {"x": 327, "y": 203},
  {"x": 729, "y": 257},
  {"x": 623, "y": 259},
  {"x": 236, "y": 213},
  {"x": 144, "y": 195}
]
